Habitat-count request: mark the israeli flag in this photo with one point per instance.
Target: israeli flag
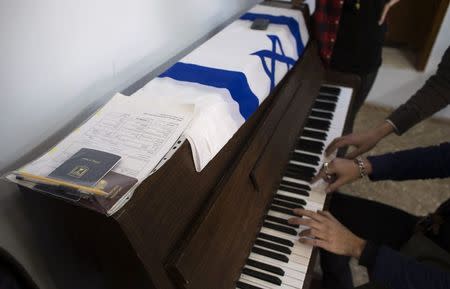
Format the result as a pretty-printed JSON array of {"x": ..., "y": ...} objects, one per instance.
[{"x": 230, "y": 75}]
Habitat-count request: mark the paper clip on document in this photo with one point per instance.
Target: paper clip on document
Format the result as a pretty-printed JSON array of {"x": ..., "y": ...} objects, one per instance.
[{"x": 39, "y": 180}]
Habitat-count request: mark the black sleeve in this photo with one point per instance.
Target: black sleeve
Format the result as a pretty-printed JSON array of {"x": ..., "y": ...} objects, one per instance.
[
  {"x": 432, "y": 97},
  {"x": 395, "y": 271},
  {"x": 419, "y": 163}
]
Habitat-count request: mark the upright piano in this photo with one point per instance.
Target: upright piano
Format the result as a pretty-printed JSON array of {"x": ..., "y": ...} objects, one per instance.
[{"x": 225, "y": 227}]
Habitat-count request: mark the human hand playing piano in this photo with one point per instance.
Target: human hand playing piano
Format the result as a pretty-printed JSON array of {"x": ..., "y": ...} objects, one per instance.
[
  {"x": 339, "y": 172},
  {"x": 362, "y": 141},
  {"x": 326, "y": 232}
]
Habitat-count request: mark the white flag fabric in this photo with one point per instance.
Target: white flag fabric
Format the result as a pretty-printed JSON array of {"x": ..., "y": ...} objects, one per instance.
[{"x": 230, "y": 75}]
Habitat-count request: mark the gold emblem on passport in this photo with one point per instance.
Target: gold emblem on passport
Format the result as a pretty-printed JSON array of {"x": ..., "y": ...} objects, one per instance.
[
  {"x": 78, "y": 171},
  {"x": 101, "y": 185}
]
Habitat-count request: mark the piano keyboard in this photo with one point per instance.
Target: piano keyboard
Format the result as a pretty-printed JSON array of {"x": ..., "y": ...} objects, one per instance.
[{"x": 277, "y": 259}]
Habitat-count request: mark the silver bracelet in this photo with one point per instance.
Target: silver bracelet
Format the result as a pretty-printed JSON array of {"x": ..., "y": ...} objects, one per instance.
[{"x": 362, "y": 168}]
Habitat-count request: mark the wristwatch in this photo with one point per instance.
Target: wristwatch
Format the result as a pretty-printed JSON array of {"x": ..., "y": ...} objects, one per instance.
[{"x": 362, "y": 168}]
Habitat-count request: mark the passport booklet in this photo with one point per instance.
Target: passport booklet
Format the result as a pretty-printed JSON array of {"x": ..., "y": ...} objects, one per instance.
[{"x": 86, "y": 167}]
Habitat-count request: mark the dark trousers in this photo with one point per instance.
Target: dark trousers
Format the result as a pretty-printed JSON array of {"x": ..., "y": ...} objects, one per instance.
[
  {"x": 367, "y": 81},
  {"x": 369, "y": 220}
]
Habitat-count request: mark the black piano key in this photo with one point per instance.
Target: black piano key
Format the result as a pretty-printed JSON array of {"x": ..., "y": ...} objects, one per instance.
[
  {"x": 297, "y": 176},
  {"x": 265, "y": 267},
  {"x": 276, "y": 239},
  {"x": 295, "y": 185},
  {"x": 314, "y": 134},
  {"x": 272, "y": 246},
  {"x": 299, "y": 173},
  {"x": 297, "y": 201},
  {"x": 285, "y": 204},
  {"x": 328, "y": 97},
  {"x": 280, "y": 228},
  {"x": 310, "y": 146},
  {"x": 294, "y": 190},
  {"x": 243, "y": 285},
  {"x": 270, "y": 254},
  {"x": 301, "y": 169},
  {"x": 330, "y": 90},
  {"x": 280, "y": 221},
  {"x": 305, "y": 158},
  {"x": 331, "y": 107},
  {"x": 282, "y": 210},
  {"x": 262, "y": 276},
  {"x": 321, "y": 114},
  {"x": 321, "y": 124}
]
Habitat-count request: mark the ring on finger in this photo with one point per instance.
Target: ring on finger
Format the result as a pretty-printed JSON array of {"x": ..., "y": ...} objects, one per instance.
[{"x": 325, "y": 167}]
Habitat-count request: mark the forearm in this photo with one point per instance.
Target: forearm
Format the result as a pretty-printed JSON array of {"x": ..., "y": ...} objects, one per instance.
[
  {"x": 384, "y": 129},
  {"x": 418, "y": 163},
  {"x": 393, "y": 270},
  {"x": 432, "y": 97}
]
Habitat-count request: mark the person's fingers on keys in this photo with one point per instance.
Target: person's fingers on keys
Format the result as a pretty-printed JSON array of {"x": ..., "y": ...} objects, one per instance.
[
  {"x": 327, "y": 214},
  {"x": 332, "y": 146},
  {"x": 314, "y": 242},
  {"x": 320, "y": 175},
  {"x": 338, "y": 143},
  {"x": 305, "y": 222},
  {"x": 328, "y": 169},
  {"x": 313, "y": 233},
  {"x": 336, "y": 184},
  {"x": 309, "y": 214}
]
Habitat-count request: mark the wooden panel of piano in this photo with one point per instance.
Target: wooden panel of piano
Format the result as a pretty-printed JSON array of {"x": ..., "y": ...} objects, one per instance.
[{"x": 184, "y": 229}]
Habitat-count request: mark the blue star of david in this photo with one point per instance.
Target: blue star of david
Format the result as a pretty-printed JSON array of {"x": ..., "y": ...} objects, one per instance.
[{"x": 273, "y": 57}]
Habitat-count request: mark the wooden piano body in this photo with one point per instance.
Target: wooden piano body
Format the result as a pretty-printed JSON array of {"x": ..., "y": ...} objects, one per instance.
[{"x": 184, "y": 229}]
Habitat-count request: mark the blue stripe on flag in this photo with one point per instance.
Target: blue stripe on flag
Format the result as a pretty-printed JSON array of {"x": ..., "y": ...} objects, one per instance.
[
  {"x": 235, "y": 82},
  {"x": 283, "y": 20}
]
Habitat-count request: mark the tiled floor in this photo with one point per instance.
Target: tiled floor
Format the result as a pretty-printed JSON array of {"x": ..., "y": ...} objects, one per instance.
[{"x": 417, "y": 197}]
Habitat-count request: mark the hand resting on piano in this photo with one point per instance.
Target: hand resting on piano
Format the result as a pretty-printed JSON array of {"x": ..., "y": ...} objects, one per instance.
[
  {"x": 363, "y": 141},
  {"x": 342, "y": 171}
]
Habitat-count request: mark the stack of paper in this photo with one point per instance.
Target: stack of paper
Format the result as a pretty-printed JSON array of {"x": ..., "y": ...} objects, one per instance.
[{"x": 136, "y": 129}]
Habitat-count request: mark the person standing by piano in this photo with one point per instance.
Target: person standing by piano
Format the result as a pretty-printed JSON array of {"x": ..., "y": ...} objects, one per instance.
[
  {"x": 350, "y": 36},
  {"x": 373, "y": 232}
]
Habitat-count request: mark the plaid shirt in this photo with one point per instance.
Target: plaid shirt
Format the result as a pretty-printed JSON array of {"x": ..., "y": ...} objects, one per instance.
[{"x": 326, "y": 24}]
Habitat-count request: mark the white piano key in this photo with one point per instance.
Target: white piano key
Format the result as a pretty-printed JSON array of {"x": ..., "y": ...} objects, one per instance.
[
  {"x": 253, "y": 283},
  {"x": 303, "y": 164},
  {"x": 294, "y": 273}
]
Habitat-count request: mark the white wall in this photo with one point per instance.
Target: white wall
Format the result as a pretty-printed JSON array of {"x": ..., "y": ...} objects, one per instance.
[
  {"x": 62, "y": 58},
  {"x": 397, "y": 79}
]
